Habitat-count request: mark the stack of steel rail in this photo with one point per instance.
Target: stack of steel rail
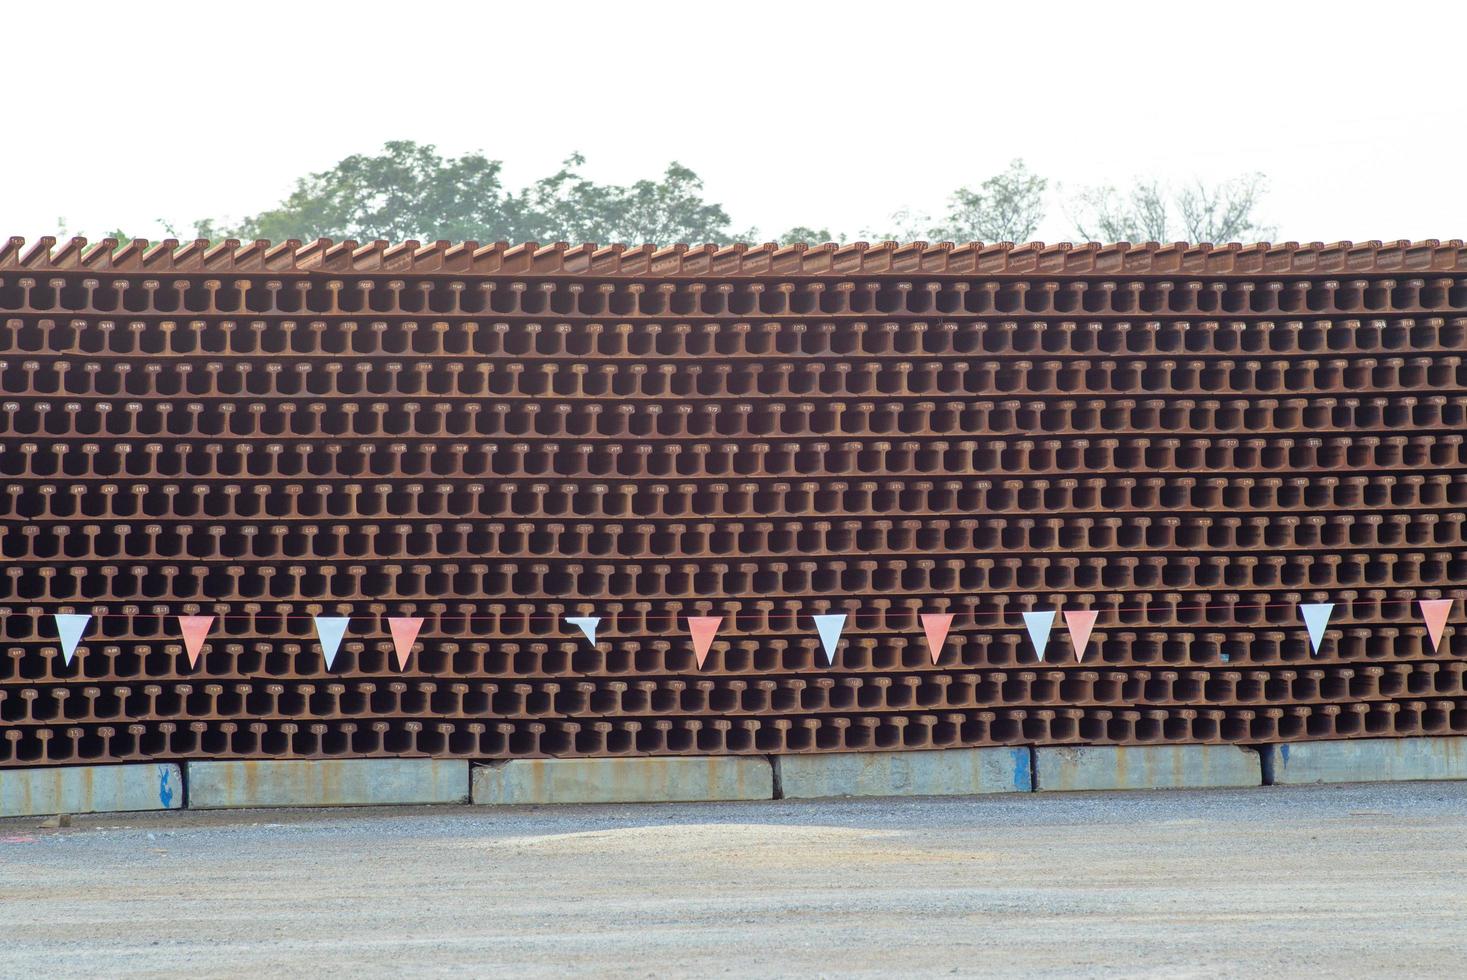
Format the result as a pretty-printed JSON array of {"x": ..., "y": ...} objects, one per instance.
[{"x": 1189, "y": 440}]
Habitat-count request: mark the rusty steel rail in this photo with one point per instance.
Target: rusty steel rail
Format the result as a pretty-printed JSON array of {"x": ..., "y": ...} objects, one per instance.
[
  {"x": 380, "y": 258},
  {"x": 1190, "y": 440}
]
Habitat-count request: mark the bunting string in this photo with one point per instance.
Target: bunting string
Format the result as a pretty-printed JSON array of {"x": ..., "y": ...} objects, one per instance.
[
  {"x": 672, "y": 617},
  {"x": 703, "y": 630}
]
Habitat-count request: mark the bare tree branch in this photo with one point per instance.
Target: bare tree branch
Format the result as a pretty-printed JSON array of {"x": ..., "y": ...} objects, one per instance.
[{"x": 1151, "y": 212}]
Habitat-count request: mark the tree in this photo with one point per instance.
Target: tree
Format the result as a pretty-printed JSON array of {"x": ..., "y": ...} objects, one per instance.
[
  {"x": 410, "y": 191},
  {"x": 568, "y": 207},
  {"x": 1103, "y": 214},
  {"x": 1153, "y": 213},
  {"x": 1006, "y": 207},
  {"x": 407, "y": 191},
  {"x": 1223, "y": 213}
]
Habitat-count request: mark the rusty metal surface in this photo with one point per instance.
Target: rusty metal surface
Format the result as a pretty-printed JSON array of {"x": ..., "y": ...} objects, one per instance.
[
  {"x": 1190, "y": 440},
  {"x": 731, "y": 261}
]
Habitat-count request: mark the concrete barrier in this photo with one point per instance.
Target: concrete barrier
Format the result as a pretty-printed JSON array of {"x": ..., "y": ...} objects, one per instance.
[
  {"x": 949, "y": 772},
  {"x": 1102, "y": 767},
  {"x": 90, "y": 789},
  {"x": 624, "y": 780},
  {"x": 943, "y": 772},
  {"x": 328, "y": 782},
  {"x": 1365, "y": 760}
]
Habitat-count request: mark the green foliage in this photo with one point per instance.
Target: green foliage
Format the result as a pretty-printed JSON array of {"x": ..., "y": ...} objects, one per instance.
[
  {"x": 1006, "y": 207},
  {"x": 406, "y": 191},
  {"x": 567, "y": 207},
  {"x": 411, "y": 191}
]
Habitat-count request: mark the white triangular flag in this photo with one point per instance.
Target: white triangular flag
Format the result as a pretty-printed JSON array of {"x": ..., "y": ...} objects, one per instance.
[
  {"x": 70, "y": 627},
  {"x": 1316, "y": 617},
  {"x": 587, "y": 625},
  {"x": 830, "y": 626},
  {"x": 331, "y": 629},
  {"x": 1039, "y": 624}
]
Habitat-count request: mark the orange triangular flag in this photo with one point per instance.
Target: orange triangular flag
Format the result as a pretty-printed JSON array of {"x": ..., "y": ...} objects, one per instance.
[
  {"x": 404, "y": 632},
  {"x": 1080, "y": 623},
  {"x": 704, "y": 629},
  {"x": 1436, "y": 612},
  {"x": 936, "y": 625},
  {"x": 195, "y": 630}
]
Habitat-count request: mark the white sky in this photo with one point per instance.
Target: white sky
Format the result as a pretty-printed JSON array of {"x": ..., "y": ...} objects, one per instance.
[{"x": 795, "y": 112}]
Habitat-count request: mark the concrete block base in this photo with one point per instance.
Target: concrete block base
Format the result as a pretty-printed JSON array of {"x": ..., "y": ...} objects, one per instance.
[
  {"x": 1103, "y": 767},
  {"x": 948, "y": 772},
  {"x": 1365, "y": 760},
  {"x": 944, "y": 772},
  {"x": 624, "y": 780},
  {"x": 90, "y": 789},
  {"x": 329, "y": 782}
]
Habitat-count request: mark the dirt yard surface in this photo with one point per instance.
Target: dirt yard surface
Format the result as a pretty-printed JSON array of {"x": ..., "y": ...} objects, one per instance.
[{"x": 1345, "y": 881}]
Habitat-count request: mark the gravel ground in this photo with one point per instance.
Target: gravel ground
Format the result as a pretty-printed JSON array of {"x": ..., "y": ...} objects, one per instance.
[{"x": 1346, "y": 881}]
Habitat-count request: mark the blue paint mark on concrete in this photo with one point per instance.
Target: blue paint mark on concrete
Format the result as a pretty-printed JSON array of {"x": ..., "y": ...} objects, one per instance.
[
  {"x": 1284, "y": 752},
  {"x": 165, "y": 791},
  {"x": 1021, "y": 769}
]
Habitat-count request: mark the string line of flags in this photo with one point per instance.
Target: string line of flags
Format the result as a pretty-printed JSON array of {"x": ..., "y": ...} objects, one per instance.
[{"x": 703, "y": 630}]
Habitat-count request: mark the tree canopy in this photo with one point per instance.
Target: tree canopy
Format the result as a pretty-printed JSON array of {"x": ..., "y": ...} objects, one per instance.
[
  {"x": 411, "y": 191},
  {"x": 1006, "y": 207}
]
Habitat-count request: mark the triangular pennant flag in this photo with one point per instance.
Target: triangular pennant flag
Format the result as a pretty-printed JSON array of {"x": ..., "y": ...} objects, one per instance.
[
  {"x": 70, "y": 627},
  {"x": 587, "y": 625},
  {"x": 1316, "y": 617},
  {"x": 704, "y": 629},
  {"x": 404, "y": 632},
  {"x": 195, "y": 629},
  {"x": 830, "y": 625},
  {"x": 330, "y": 629},
  {"x": 1436, "y": 612},
  {"x": 1080, "y": 622},
  {"x": 936, "y": 625},
  {"x": 1039, "y": 624}
]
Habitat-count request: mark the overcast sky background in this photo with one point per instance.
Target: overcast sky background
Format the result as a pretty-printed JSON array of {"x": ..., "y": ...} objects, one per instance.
[{"x": 794, "y": 113}]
